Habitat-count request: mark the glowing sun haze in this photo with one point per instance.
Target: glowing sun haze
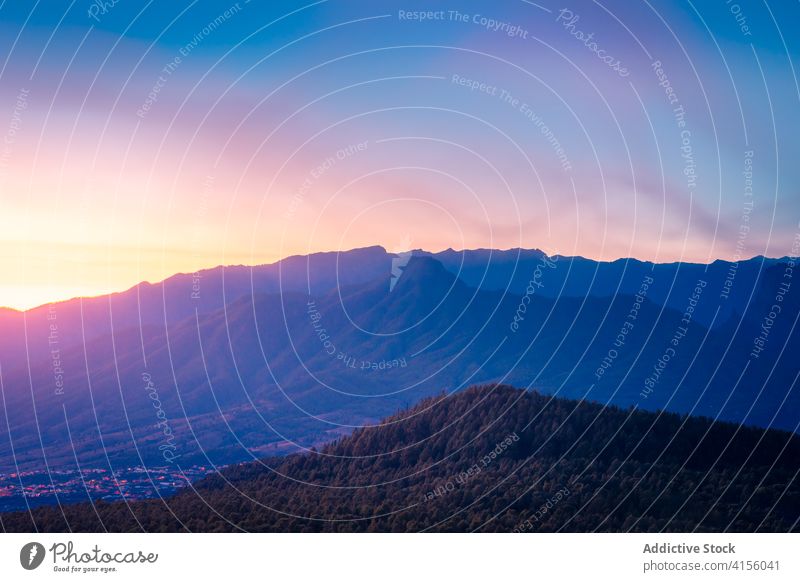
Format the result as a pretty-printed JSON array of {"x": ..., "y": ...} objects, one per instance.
[{"x": 142, "y": 142}]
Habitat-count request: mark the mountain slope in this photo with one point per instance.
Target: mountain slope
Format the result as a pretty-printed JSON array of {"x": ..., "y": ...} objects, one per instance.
[
  {"x": 512, "y": 269},
  {"x": 31, "y": 335}
]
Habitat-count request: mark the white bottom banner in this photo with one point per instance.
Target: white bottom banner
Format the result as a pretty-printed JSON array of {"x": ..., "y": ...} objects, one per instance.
[{"x": 399, "y": 557}]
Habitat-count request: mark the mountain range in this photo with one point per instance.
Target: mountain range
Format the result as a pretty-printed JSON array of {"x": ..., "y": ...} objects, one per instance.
[
  {"x": 493, "y": 459},
  {"x": 236, "y": 363}
]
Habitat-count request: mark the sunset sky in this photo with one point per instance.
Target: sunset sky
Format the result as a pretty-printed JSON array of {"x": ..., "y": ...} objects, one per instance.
[{"x": 145, "y": 139}]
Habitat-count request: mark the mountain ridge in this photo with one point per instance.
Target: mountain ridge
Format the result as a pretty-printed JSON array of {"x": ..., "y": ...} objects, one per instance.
[
  {"x": 372, "y": 248},
  {"x": 288, "y": 369}
]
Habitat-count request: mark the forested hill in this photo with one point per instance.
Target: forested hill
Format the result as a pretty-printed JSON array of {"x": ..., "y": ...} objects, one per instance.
[{"x": 491, "y": 458}]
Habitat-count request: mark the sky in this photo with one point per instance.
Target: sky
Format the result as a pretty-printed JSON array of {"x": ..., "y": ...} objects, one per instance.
[{"x": 142, "y": 139}]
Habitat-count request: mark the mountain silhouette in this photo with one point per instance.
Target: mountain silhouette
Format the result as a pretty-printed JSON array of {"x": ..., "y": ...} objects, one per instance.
[{"x": 291, "y": 356}]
